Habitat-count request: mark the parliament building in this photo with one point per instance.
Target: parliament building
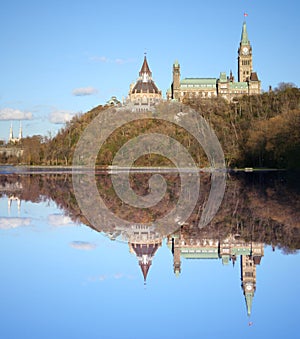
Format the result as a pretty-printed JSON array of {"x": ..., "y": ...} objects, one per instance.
[
  {"x": 144, "y": 93},
  {"x": 224, "y": 86}
]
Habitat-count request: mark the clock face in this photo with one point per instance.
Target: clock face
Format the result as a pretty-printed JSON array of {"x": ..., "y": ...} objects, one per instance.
[
  {"x": 245, "y": 50},
  {"x": 248, "y": 287}
]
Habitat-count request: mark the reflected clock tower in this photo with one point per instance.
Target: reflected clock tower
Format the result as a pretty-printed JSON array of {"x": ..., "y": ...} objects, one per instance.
[
  {"x": 248, "y": 276},
  {"x": 248, "y": 272}
]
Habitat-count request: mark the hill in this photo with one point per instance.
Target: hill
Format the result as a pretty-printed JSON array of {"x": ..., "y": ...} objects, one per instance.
[{"x": 254, "y": 131}]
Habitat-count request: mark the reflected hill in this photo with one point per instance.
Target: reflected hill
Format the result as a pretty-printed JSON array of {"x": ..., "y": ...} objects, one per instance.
[{"x": 261, "y": 207}]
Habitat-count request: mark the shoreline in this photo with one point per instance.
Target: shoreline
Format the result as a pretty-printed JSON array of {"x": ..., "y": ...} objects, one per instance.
[{"x": 23, "y": 169}]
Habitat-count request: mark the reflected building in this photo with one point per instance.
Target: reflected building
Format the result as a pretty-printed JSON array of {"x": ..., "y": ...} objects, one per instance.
[
  {"x": 144, "y": 243},
  {"x": 11, "y": 188},
  {"x": 9, "y": 202},
  {"x": 248, "y": 277},
  {"x": 182, "y": 245}
]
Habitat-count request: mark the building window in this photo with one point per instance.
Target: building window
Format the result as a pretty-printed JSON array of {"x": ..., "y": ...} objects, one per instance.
[{"x": 248, "y": 274}]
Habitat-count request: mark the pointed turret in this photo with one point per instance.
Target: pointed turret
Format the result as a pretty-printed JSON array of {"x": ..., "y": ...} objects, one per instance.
[
  {"x": 145, "y": 68},
  {"x": 145, "y": 269},
  {"x": 145, "y": 254},
  {"x": 233, "y": 259},
  {"x": 244, "y": 37}
]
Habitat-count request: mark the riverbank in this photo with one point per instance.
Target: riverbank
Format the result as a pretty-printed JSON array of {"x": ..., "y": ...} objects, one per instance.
[{"x": 11, "y": 169}]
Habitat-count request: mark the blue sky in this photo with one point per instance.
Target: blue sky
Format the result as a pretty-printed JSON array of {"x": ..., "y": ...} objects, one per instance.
[{"x": 59, "y": 58}]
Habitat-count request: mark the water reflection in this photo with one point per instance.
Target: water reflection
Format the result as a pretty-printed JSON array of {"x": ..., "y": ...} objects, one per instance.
[
  {"x": 188, "y": 246},
  {"x": 260, "y": 207},
  {"x": 257, "y": 210}
]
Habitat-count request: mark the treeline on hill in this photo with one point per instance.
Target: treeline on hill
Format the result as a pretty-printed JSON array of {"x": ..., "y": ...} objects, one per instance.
[
  {"x": 257, "y": 131},
  {"x": 254, "y": 131}
]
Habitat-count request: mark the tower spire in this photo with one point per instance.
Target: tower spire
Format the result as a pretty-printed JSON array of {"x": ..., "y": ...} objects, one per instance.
[
  {"x": 20, "y": 131},
  {"x": 145, "y": 70},
  {"x": 244, "y": 37},
  {"x": 249, "y": 298},
  {"x": 248, "y": 277},
  {"x": 145, "y": 253},
  {"x": 11, "y": 133},
  {"x": 244, "y": 56}
]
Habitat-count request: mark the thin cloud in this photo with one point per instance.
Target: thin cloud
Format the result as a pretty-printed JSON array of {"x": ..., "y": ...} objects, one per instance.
[
  {"x": 98, "y": 278},
  {"x": 121, "y": 61},
  {"x": 99, "y": 59},
  {"x": 83, "y": 245},
  {"x": 60, "y": 116},
  {"x": 83, "y": 91},
  {"x": 9, "y": 223},
  {"x": 118, "y": 61},
  {"x": 14, "y": 114},
  {"x": 58, "y": 220},
  {"x": 116, "y": 276}
]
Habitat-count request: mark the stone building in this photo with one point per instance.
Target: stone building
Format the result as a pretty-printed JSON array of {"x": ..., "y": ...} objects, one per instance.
[
  {"x": 224, "y": 86},
  {"x": 143, "y": 94},
  {"x": 113, "y": 101}
]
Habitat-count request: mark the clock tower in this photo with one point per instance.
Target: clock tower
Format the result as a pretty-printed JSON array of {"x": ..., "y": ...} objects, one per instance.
[{"x": 244, "y": 57}]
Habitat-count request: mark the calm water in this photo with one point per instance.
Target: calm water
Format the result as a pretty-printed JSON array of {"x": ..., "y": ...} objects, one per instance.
[{"x": 63, "y": 276}]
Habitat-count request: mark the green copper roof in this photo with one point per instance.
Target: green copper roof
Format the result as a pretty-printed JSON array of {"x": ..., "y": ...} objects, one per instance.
[
  {"x": 176, "y": 63},
  {"x": 241, "y": 251},
  {"x": 199, "y": 253},
  {"x": 249, "y": 298},
  {"x": 238, "y": 85},
  {"x": 198, "y": 82},
  {"x": 244, "y": 38}
]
